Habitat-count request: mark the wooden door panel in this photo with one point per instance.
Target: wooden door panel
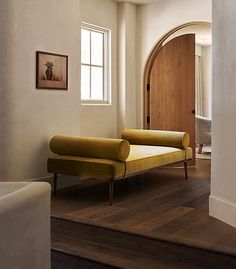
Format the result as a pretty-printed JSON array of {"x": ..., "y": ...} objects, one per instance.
[{"x": 172, "y": 87}]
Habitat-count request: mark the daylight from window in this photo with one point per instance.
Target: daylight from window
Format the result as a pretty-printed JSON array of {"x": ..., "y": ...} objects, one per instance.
[{"x": 94, "y": 67}]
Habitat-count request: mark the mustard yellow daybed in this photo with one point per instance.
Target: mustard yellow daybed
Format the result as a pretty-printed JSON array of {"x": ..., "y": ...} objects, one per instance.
[{"x": 136, "y": 152}]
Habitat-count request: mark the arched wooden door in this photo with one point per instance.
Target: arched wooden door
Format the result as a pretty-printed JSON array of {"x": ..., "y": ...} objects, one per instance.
[{"x": 172, "y": 87}]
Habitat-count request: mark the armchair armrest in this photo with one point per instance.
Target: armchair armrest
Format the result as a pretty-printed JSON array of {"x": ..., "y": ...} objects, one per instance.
[{"x": 203, "y": 124}]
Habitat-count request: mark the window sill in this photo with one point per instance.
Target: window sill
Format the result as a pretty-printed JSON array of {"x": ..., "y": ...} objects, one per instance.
[{"x": 95, "y": 103}]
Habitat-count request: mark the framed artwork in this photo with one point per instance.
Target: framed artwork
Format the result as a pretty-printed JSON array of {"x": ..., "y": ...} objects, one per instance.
[{"x": 51, "y": 71}]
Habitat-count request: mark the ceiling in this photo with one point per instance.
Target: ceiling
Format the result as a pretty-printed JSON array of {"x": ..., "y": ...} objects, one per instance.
[{"x": 139, "y": 2}]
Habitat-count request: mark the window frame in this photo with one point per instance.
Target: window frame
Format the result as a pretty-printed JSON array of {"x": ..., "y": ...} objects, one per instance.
[{"x": 105, "y": 67}]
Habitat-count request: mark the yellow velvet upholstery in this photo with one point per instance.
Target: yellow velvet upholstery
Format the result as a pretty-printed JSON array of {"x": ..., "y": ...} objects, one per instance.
[
  {"x": 141, "y": 158},
  {"x": 105, "y": 148},
  {"x": 112, "y": 159},
  {"x": 144, "y": 157},
  {"x": 86, "y": 167},
  {"x": 156, "y": 138}
]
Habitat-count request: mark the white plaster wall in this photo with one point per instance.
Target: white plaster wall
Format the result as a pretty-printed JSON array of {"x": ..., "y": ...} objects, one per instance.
[
  {"x": 101, "y": 120},
  {"x": 130, "y": 66},
  {"x": 223, "y": 184},
  {"x": 121, "y": 67},
  {"x": 207, "y": 80},
  {"x": 198, "y": 50},
  {"x": 30, "y": 117},
  {"x": 153, "y": 21},
  {"x": 127, "y": 66}
]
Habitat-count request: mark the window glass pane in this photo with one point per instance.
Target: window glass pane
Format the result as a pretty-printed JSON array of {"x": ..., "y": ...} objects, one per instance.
[
  {"x": 97, "y": 48},
  {"x": 85, "y": 82},
  {"x": 97, "y": 83},
  {"x": 85, "y": 46}
]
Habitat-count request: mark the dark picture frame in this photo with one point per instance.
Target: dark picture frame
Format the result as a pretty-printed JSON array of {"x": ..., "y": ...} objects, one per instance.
[{"x": 51, "y": 71}]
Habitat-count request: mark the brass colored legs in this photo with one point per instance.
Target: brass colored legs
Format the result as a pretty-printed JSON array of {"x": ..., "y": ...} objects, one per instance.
[
  {"x": 186, "y": 169},
  {"x": 111, "y": 187},
  {"x": 55, "y": 183}
]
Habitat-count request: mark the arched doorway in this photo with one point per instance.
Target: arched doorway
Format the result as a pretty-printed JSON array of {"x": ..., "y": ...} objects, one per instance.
[{"x": 169, "y": 81}]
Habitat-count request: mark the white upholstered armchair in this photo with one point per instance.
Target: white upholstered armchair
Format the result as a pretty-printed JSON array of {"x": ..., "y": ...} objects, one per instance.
[
  {"x": 25, "y": 225},
  {"x": 203, "y": 132}
]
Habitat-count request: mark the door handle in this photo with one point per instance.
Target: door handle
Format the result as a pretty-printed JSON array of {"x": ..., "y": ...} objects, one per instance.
[{"x": 193, "y": 111}]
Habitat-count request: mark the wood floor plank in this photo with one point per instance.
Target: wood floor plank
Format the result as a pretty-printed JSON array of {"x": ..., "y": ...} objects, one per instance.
[
  {"x": 119, "y": 259},
  {"x": 160, "y": 203},
  {"x": 95, "y": 212},
  {"x": 162, "y": 219}
]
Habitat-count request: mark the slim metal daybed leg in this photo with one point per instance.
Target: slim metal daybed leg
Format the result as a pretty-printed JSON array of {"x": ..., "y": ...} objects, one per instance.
[
  {"x": 55, "y": 183},
  {"x": 186, "y": 169},
  {"x": 111, "y": 186}
]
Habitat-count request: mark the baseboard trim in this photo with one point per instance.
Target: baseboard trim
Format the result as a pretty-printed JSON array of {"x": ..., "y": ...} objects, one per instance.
[
  {"x": 43, "y": 179},
  {"x": 64, "y": 181},
  {"x": 223, "y": 210}
]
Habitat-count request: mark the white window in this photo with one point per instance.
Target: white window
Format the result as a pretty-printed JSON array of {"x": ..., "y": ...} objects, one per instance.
[{"x": 95, "y": 64}]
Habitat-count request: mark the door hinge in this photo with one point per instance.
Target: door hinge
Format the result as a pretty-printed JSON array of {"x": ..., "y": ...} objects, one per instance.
[
  {"x": 148, "y": 119},
  {"x": 148, "y": 87}
]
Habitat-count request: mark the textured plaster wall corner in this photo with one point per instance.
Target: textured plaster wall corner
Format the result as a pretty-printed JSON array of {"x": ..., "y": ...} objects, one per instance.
[
  {"x": 6, "y": 97},
  {"x": 101, "y": 120},
  {"x": 127, "y": 66},
  {"x": 32, "y": 117},
  {"x": 121, "y": 68},
  {"x": 223, "y": 172},
  {"x": 155, "y": 20}
]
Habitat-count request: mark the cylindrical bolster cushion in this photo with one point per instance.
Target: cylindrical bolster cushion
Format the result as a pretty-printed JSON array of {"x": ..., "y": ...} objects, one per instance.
[
  {"x": 156, "y": 138},
  {"x": 105, "y": 148}
]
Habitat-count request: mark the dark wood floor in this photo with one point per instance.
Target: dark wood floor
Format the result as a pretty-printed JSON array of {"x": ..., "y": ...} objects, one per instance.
[{"x": 160, "y": 204}]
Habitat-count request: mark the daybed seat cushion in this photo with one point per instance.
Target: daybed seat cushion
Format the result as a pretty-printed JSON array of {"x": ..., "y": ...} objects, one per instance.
[
  {"x": 143, "y": 157},
  {"x": 86, "y": 167}
]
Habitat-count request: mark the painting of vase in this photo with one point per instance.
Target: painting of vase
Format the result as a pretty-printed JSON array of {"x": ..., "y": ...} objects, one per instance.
[{"x": 51, "y": 71}]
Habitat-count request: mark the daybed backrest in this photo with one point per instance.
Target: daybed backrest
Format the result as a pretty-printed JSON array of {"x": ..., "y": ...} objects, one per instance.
[
  {"x": 105, "y": 148},
  {"x": 156, "y": 138}
]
